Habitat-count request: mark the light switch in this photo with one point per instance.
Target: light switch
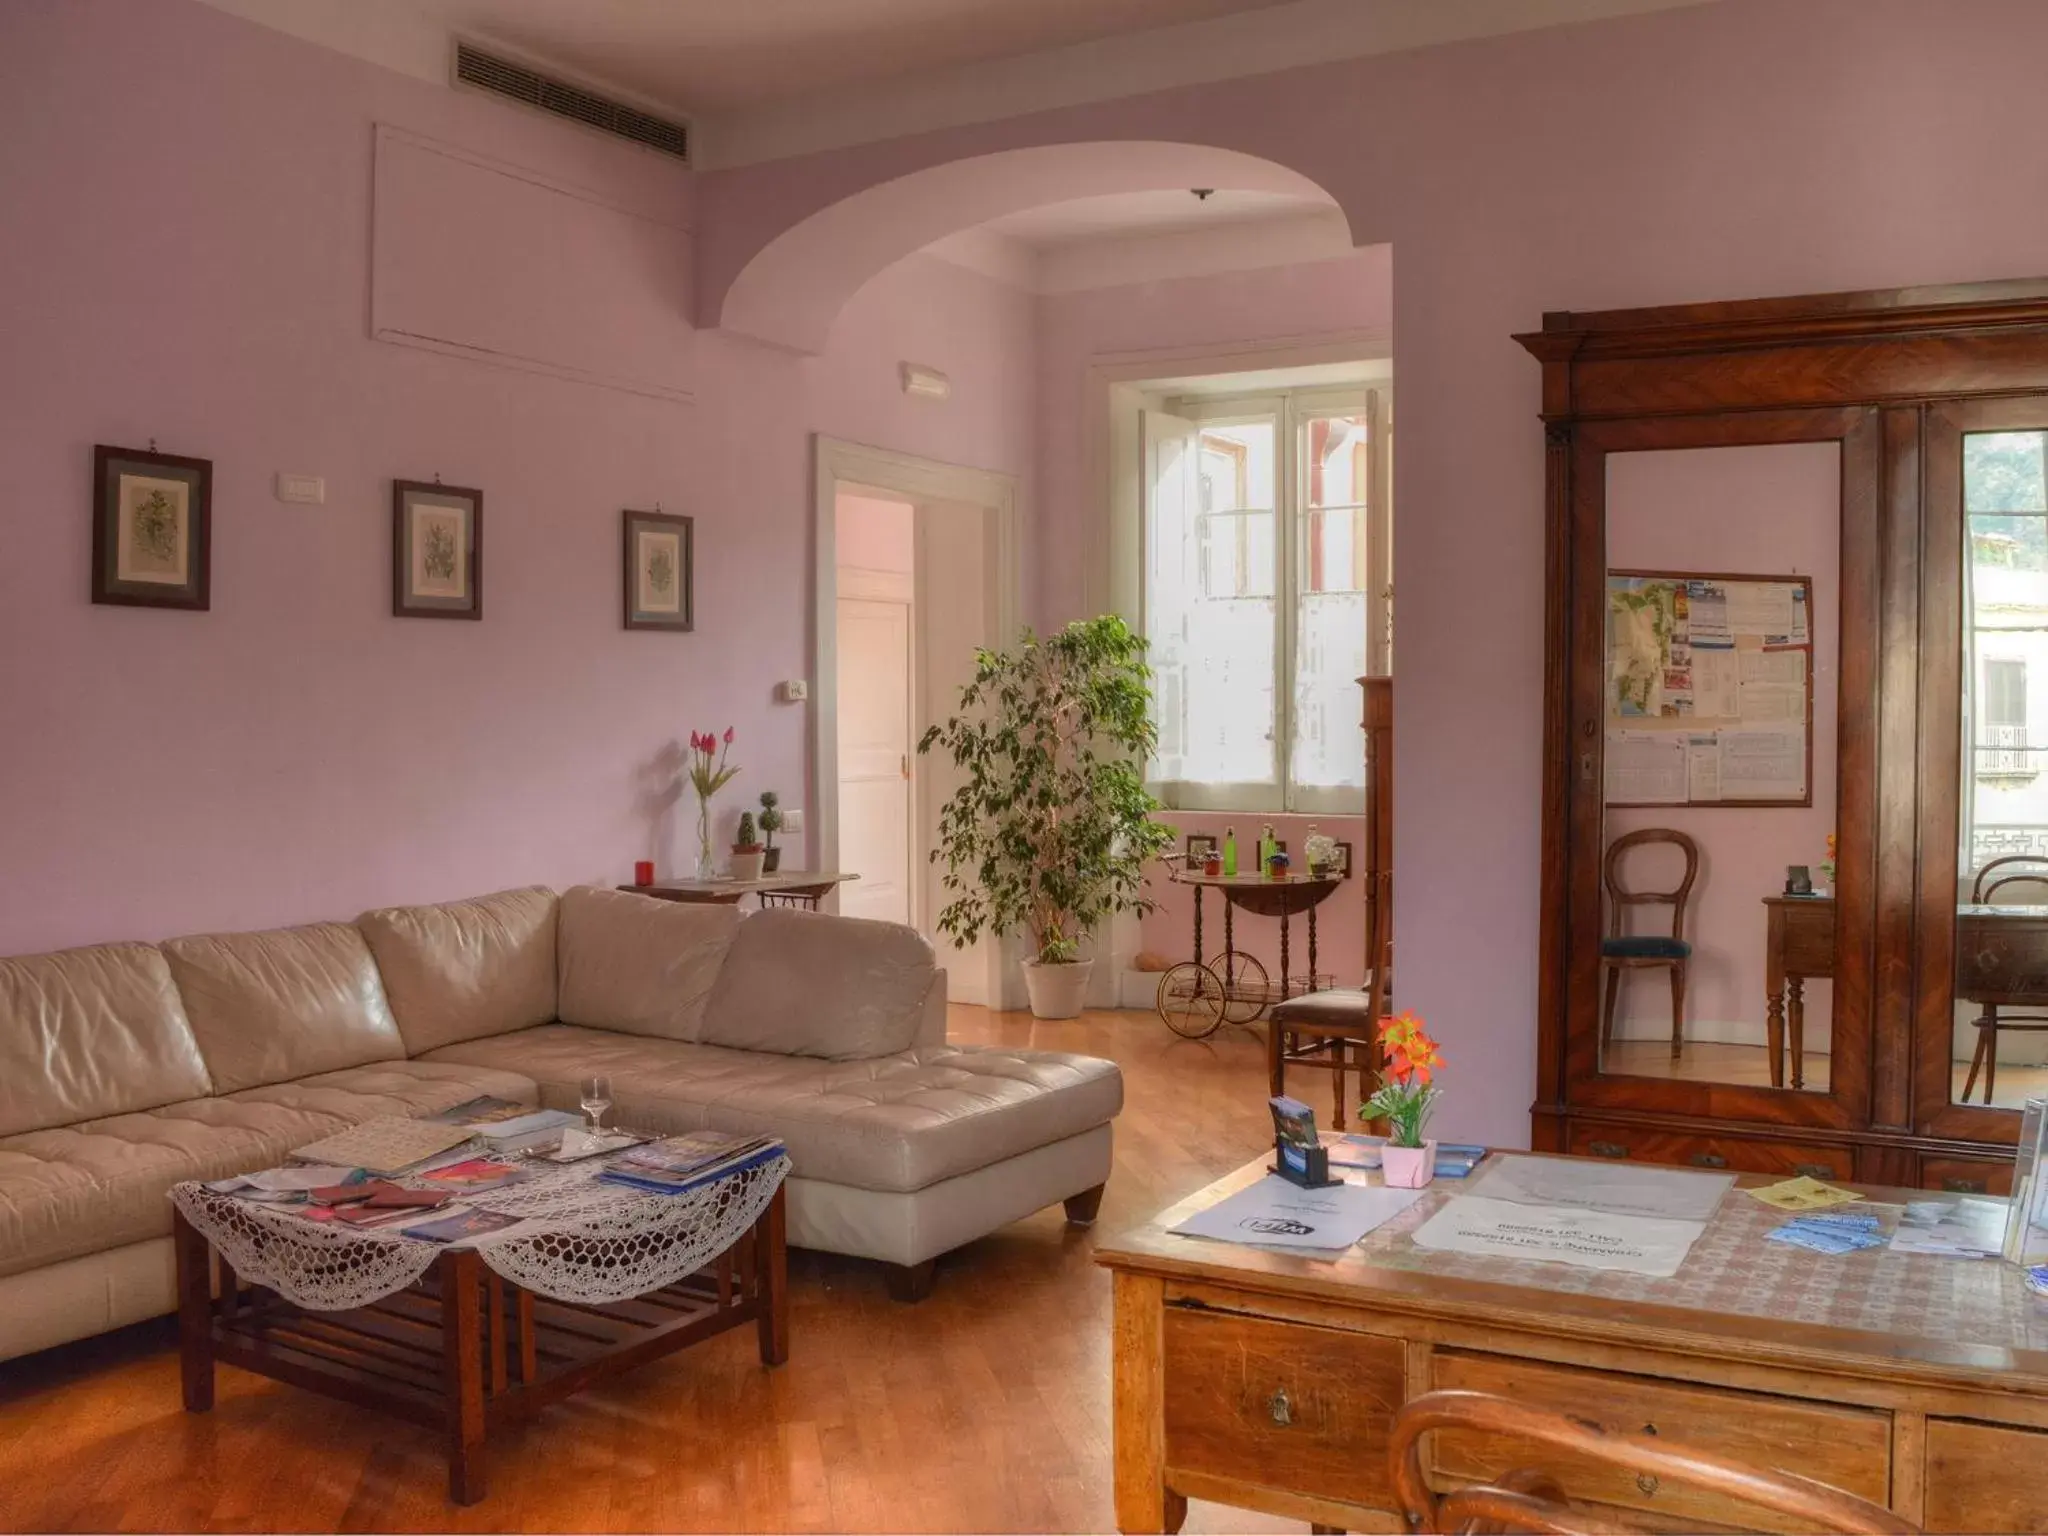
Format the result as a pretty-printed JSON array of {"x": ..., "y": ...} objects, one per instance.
[
  {"x": 793, "y": 819},
  {"x": 310, "y": 489},
  {"x": 794, "y": 691}
]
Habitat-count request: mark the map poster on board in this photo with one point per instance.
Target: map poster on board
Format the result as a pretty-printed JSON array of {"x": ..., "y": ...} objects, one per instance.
[{"x": 1709, "y": 696}]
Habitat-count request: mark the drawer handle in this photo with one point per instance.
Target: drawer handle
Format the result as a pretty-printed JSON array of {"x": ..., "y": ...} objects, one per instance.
[
  {"x": 1815, "y": 1170},
  {"x": 1963, "y": 1186},
  {"x": 1647, "y": 1482},
  {"x": 1607, "y": 1149},
  {"x": 1282, "y": 1408},
  {"x": 1709, "y": 1160}
]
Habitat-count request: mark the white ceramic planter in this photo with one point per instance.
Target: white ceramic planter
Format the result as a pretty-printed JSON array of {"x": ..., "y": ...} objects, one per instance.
[
  {"x": 1057, "y": 991},
  {"x": 1408, "y": 1167},
  {"x": 746, "y": 866}
]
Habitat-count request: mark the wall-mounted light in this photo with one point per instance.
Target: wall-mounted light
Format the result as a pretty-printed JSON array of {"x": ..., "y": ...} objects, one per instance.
[{"x": 925, "y": 383}]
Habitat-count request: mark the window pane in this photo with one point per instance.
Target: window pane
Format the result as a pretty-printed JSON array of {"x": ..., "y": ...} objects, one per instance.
[
  {"x": 1237, "y": 466},
  {"x": 1338, "y": 465},
  {"x": 1330, "y": 617},
  {"x": 2002, "y": 472}
]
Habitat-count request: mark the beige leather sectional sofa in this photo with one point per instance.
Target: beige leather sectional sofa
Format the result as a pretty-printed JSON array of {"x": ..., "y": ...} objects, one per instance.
[{"x": 125, "y": 1068}]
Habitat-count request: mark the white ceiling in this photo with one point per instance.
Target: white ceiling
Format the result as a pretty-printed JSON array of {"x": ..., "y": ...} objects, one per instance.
[
  {"x": 1149, "y": 213},
  {"x": 767, "y": 78}
]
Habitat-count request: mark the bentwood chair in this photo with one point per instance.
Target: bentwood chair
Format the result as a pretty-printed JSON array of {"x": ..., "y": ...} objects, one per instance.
[
  {"x": 2016, "y": 869},
  {"x": 1624, "y": 951},
  {"x": 1533, "y": 1499}
]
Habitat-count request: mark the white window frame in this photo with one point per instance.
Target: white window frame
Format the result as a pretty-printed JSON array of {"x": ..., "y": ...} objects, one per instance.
[{"x": 1290, "y": 411}]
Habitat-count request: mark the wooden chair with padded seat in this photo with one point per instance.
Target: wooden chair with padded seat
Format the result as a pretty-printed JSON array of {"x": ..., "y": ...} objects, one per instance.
[
  {"x": 1623, "y": 951},
  {"x": 2018, "y": 869},
  {"x": 1533, "y": 1499}
]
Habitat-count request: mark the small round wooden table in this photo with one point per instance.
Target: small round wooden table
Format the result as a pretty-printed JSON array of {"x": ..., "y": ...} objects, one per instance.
[{"x": 1193, "y": 998}]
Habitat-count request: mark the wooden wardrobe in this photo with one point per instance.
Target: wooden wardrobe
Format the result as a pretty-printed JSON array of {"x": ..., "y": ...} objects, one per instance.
[{"x": 1896, "y": 389}]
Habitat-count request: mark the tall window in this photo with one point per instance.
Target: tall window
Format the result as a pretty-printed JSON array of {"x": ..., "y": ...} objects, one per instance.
[
  {"x": 1267, "y": 558},
  {"x": 2005, "y": 619}
]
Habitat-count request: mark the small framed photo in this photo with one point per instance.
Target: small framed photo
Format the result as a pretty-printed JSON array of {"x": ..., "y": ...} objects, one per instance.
[
  {"x": 1201, "y": 845},
  {"x": 1341, "y": 864},
  {"x": 152, "y": 522},
  {"x": 660, "y": 571},
  {"x": 437, "y": 551}
]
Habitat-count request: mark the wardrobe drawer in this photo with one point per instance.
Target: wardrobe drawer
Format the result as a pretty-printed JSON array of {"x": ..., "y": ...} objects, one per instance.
[
  {"x": 1283, "y": 1405},
  {"x": 1738, "y": 1154},
  {"x": 1981, "y": 1478},
  {"x": 1966, "y": 1175},
  {"x": 1848, "y": 1447}
]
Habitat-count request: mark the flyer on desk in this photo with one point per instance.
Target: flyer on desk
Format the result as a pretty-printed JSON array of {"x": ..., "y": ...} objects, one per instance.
[
  {"x": 1503, "y": 1229},
  {"x": 1276, "y": 1214}
]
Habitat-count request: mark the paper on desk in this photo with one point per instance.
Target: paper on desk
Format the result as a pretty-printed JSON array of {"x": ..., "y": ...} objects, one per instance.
[
  {"x": 1802, "y": 1194},
  {"x": 1503, "y": 1229},
  {"x": 293, "y": 1180},
  {"x": 1960, "y": 1229},
  {"x": 1610, "y": 1189},
  {"x": 1274, "y": 1213}
]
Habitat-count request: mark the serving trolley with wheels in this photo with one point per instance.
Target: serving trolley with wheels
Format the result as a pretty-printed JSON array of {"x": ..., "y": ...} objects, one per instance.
[{"x": 1197, "y": 997}]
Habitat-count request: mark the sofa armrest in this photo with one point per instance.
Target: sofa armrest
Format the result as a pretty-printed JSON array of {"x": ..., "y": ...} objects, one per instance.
[{"x": 931, "y": 1026}]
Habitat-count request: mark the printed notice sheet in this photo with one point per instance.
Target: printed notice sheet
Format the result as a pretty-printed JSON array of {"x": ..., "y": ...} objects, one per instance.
[
  {"x": 1646, "y": 768},
  {"x": 1604, "y": 1188},
  {"x": 1276, "y": 1214},
  {"x": 1504, "y": 1229}
]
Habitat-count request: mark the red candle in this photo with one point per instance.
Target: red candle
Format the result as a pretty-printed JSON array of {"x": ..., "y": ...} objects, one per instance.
[{"x": 643, "y": 872}]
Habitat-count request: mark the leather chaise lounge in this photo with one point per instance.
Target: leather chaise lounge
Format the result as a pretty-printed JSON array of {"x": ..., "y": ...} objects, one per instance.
[{"x": 125, "y": 1068}]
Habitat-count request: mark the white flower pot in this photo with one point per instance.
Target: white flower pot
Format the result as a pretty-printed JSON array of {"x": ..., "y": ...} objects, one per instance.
[
  {"x": 746, "y": 866},
  {"x": 1407, "y": 1167},
  {"x": 1057, "y": 991}
]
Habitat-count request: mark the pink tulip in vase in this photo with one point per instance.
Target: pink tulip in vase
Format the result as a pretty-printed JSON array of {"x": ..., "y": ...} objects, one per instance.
[{"x": 708, "y": 775}]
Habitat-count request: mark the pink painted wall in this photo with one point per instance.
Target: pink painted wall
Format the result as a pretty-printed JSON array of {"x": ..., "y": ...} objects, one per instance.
[
  {"x": 186, "y": 256},
  {"x": 1743, "y": 148},
  {"x": 1773, "y": 510}
]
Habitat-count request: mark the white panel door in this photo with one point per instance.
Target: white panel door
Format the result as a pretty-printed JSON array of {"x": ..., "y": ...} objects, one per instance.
[{"x": 874, "y": 758}]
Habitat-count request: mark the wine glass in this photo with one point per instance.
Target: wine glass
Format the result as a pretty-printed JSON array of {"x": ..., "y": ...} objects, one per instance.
[{"x": 597, "y": 1098}]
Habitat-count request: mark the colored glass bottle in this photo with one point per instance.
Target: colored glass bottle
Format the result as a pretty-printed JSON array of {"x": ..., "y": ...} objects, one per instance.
[{"x": 1229, "y": 852}]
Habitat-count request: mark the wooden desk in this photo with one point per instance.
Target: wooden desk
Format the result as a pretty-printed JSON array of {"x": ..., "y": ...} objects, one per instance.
[
  {"x": 1269, "y": 1381},
  {"x": 789, "y": 882},
  {"x": 2001, "y": 958}
]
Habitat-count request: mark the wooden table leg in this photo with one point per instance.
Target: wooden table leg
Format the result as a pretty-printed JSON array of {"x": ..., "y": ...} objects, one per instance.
[
  {"x": 771, "y": 1271},
  {"x": 1283, "y": 955},
  {"x": 462, "y": 1372},
  {"x": 1138, "y": 1407},
  {"x": 1774, "y": 1034},
  {"x": 527, "y": 1360},
  {"x": 1795, "y": 1019},
  {"x": 194, "y": 1259}
]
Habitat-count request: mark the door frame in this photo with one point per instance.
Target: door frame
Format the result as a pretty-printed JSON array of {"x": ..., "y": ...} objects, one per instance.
[{"x": 836, "y": 463}]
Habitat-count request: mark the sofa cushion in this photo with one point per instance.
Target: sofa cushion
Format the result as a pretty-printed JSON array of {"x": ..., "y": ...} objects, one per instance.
[
  {"x": 82, "y": 1188},
  {"x": 896, "y": 1123},
  {"x": 271, "y": 1006},
  {"x": 91, "y": 1032},
  {"x": 802, "y": 983},
  {"x": 466, "y": 968},
  {"x": 637, "y": 963}
]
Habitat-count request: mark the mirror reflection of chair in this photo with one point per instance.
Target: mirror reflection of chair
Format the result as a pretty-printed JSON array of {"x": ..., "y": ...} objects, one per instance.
[
  {"x": 1624, "y": 951},
  {"x": 1532, "y": 1498},
  {"x": 2015, "y": 869}
]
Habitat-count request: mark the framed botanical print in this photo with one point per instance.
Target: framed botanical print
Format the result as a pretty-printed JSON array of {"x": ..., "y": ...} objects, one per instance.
[
  {"x": 660, "y": 571},
  {"x": 152, "y": 520},
  {"x": 437, "y": 551}
]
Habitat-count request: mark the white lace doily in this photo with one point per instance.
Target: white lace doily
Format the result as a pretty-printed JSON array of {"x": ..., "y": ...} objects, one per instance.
[{"x": 578, "y": 1240}]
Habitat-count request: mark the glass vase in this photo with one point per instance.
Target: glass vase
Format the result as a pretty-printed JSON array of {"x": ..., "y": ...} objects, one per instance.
[{"x": 707, "y": 866}]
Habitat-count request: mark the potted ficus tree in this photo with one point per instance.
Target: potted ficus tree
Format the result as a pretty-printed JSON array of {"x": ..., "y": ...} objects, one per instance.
[
  {"x": 1051, "y": 829},
  {"x": 746, "y": 850}
]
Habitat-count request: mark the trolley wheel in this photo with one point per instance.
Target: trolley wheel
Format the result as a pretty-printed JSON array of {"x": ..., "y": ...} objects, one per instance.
[
  {"x": 1191, "y": 1000},
  {"x": 1247, "y": 987}
]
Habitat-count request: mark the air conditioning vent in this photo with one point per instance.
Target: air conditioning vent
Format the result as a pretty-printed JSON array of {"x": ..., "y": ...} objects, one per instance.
[{"x": 518, "y": 82}]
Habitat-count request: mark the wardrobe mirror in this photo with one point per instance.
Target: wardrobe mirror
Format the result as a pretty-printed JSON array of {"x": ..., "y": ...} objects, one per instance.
[{"x": 1723, "y": 635}]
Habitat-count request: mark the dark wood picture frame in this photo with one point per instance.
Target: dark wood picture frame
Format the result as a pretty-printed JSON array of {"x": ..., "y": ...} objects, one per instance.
[
  {"x": 1786, "y": 802},
  {"x": 1199, "y": 846},
  {"x": 406, "y": 601},
  {"x": 110, "y": 466},
  {"x": 632, "y": 525}
]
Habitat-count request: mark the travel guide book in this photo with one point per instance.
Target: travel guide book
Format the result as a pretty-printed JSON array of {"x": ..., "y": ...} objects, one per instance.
[{"x": 680, "y": 1163}]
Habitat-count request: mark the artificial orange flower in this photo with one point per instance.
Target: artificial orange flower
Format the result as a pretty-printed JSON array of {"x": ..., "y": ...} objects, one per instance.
[{"x": 1411, "y": 1055}]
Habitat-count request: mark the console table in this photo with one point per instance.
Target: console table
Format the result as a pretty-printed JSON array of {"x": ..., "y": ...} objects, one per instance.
[
  {"x": 1269, "y": 1380},
  {"x": 797, "y": 887},
  {"x": 2001, "y": 958}
]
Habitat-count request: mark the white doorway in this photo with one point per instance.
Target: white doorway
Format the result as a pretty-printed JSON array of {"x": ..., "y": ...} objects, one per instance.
[
  {"x": 916, "y": 566},
  {"x": 877, "y": 575}
]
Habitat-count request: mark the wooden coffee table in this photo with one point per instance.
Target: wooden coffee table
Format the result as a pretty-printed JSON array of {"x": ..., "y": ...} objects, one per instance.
[{"x": 463, "y": 1350}]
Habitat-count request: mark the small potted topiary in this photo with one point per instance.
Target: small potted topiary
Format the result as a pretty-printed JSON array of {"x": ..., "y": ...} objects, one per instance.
[
  {"x": 771, "y": 823},
  {"x": 746, "y": 850}
]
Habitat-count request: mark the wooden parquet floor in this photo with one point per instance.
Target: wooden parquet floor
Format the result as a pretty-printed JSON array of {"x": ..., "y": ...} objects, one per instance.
[{"x": 985, "y": 1408}]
